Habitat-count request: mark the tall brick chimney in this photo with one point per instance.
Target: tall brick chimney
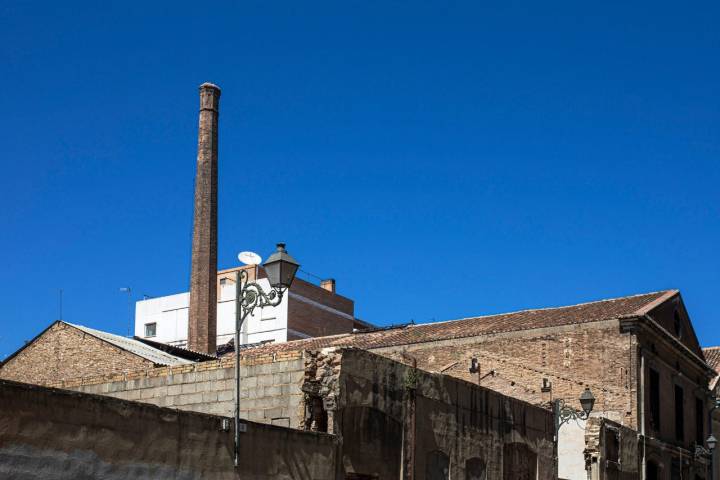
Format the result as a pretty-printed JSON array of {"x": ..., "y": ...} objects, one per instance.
[{"x": 202, "y": 325}]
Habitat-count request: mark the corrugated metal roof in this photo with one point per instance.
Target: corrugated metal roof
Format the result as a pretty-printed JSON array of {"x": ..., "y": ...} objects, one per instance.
[{"x": 134, "y": 346}]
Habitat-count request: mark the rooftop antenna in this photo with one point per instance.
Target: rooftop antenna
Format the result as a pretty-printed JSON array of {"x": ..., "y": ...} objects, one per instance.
[
  {"x": 60, "y": 305},
  {"x": 129, "y": 304}
]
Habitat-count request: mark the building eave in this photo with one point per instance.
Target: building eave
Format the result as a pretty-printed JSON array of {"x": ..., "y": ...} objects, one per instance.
[{"x": 636, "y": 323}]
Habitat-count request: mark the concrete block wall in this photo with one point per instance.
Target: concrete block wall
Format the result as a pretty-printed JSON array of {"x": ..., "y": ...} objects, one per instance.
[{"x": 270, "y": 387}]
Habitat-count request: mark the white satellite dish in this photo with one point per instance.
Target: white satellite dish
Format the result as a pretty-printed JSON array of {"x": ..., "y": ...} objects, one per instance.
[{"x": 249, "y": 258}]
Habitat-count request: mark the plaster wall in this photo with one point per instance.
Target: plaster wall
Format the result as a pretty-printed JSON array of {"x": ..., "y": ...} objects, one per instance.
[
  {"x": 170, "y": 315},
  {"x": 571, "y": 447},
  {"x": 52, "y": 434}
]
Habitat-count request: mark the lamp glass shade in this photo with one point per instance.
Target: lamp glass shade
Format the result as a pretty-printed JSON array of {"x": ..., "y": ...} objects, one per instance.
[
  {"x": 281, "y": 268},
  {"x": 711, "y": 442},
  {"x": 587, "y": 400}
]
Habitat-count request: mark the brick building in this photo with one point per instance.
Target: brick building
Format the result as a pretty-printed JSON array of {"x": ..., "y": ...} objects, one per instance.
[
  {"x": 388, "y": 417},
  {"x": 65, "y": 351},
  {"x": 638, "y": 354},
  {"x": 712, "y": 354}
]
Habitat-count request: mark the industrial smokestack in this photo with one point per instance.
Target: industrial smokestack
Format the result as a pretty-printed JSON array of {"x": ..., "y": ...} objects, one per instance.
[{"x": 202, "y": 325}]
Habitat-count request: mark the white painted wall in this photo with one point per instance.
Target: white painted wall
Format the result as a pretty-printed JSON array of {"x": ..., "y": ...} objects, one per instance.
[
  {"x": 170, "y": 314},
  {"x": 571, "y": 445}
]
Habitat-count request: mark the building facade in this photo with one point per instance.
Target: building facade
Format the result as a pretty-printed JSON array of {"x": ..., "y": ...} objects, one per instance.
[
  {"x": 307, "y": 310},
  {"x": 392, "y": 420}
]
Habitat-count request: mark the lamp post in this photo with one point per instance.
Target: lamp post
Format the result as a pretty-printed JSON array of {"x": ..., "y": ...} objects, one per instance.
[
  {"x": 129, "y": 305},
  {"x": 280, "y": 268},
  {"x": 701, "y": 451},
  {"x": 711, "y": 441},
  {"x": 564, "y": 413}
]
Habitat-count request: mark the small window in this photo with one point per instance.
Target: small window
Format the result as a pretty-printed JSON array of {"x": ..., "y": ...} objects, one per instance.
[
  {"x": 699, "y": 422},
  {"x": 150, "y": 329},
  {"x": 679, "y": 413},
  {"x": 223, "y": 281},
  {"x": 677, "y": 324},
  {"x": 652, "y": 471},
  {"x": 654, "y": 399}
]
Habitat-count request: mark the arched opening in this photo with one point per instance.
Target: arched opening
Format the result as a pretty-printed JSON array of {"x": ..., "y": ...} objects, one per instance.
[
  {"x": 475, "y": 469},
  {"x": 519, "y": 462},
  {"x": 437, "y": 466},
  {"x": 377, "y": 443}
]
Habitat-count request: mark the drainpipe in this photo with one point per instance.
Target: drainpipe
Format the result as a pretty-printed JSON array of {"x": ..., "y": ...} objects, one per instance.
[
  {"x": 408, "y": 444},
  {"x": 716, "y": 405},
  {"x": 641, "y": 414}
]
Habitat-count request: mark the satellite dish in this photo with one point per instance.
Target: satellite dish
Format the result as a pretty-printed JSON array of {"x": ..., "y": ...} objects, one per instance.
[{"x": 249, "y": 258}]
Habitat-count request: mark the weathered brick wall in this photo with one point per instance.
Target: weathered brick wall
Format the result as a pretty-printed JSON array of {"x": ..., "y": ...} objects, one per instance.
[
  {"x": 270, "y": 388},
  {"x": 64, "y": 352},
  {"x": 593, "y": 354},
  {"x": 325, "y": 297},
  {"x": 314, "y": 320},
  {"x": 333, "y": 315},
  {"x": 611, "y": 450},
  {"x": 478, "y": 432}
]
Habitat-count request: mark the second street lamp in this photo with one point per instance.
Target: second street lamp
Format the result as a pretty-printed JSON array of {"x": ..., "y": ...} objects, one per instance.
[
  {"x": 280, "y": 268},
  {"x": 564, "y": 413}
]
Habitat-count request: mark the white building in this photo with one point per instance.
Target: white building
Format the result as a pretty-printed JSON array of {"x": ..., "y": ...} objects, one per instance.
[{"x": 307, "y": 310}]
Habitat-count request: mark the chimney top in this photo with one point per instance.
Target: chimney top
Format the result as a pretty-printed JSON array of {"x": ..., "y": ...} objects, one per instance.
[
  {"x": 328, "y": 284},
  {"x": 208, "y": 85}
]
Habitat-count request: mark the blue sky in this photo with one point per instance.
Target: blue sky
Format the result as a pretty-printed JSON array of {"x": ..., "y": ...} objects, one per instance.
[{"x": 439, "y": 159}]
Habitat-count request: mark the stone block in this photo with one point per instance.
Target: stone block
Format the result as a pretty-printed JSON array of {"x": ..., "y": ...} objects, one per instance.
[
  {"x": 188, "y": 399},
  {"x": 256, "y": 416},
  {"x": 225, "y": 395},
  {"x": 272, "y": 391},
  {"x": 280, "y": 378},
  {"x": 203, "y": 386},
  {"x": 209, "y": 397},
  {"x": 174, "y": 390},
  {"x": 189, "y": 388},
  {"x": 271, "y": 413}
]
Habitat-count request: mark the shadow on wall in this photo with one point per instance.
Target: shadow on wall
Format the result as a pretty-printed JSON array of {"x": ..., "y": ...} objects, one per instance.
[{"x": 54, "y": 434}]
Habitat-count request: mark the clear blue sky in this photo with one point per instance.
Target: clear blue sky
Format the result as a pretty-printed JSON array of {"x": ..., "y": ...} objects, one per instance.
[{"x": 439, "y": 159}]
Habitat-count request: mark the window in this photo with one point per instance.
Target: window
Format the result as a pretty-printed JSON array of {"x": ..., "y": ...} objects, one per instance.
[
  {"x": 150, "y": 329},
  {"x": 699, "y": 422},
  {"x": 654, "y": 399},
  {"x": 679, "y": 413},
  {"x": 677, "y": 324},
  {"x": 651, "y": 471}
]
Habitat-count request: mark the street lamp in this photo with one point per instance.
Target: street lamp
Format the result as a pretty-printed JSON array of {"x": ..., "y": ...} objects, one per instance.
[
  {"x": 564, "y": 413},
  {"x": 701, "y": 451},
  {"x": 280, "y": 268}
]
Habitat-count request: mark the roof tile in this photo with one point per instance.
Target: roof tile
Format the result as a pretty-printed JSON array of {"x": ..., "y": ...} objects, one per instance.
[{"x": 476, "y": 326}]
